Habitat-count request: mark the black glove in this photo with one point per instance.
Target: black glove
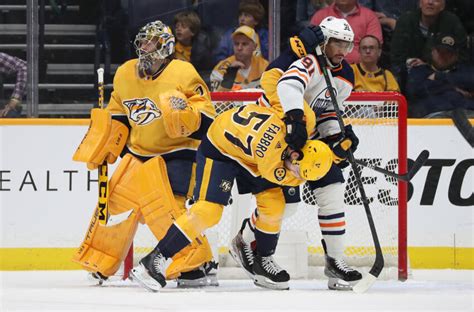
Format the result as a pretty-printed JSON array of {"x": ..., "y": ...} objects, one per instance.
[
  {"x": 311, "y": 37},
  {"x": 296, "y": 134},
  {"x": 341, "y": 144}
]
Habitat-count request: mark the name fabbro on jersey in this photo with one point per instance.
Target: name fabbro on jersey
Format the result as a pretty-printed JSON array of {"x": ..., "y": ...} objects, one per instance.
[{"x": 266, "y": 140}]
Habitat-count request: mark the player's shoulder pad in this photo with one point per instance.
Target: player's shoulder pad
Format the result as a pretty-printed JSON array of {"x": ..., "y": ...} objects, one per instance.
[
  {"x": 283, "y": 61},
  {"x": 344, "y": 71}
]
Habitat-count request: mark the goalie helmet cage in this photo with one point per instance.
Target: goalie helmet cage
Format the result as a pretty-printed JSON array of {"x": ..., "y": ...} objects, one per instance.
[{"x": 380, "y": 122}]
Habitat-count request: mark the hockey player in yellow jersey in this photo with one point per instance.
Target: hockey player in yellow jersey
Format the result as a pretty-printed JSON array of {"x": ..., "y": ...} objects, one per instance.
[
  {"x": 158, "y": 111},
  {"x": 247, "y": 142}
]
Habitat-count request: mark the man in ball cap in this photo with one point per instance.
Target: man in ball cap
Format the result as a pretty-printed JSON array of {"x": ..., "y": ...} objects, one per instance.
[{"x": 441, "y": 85}]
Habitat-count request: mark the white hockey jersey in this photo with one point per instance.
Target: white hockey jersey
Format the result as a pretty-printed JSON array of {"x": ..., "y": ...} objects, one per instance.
[{"x": 304, "y": 81}]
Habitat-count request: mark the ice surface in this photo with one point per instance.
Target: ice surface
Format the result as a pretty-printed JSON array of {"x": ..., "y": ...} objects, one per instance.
[{"x": 433, "y": 290}]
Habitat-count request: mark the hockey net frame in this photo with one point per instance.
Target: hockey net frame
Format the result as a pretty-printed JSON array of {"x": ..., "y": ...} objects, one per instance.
[{"x": 397, "y": 102}]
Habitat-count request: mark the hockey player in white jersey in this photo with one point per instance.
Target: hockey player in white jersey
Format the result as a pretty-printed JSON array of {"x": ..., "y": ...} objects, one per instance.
[{"x": 288, "y": 87}]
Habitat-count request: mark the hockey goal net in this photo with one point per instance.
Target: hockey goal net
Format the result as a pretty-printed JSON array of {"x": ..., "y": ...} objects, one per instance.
[{"x": 379, "y": 120}]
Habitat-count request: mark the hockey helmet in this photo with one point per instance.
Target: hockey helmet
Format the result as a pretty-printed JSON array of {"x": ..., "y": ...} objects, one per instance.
[
  {"x": 337, "y": 28},
  {"x": 316, "y": 160}
]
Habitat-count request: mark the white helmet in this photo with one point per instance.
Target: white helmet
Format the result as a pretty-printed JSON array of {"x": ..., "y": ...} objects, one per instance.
[{"x": 337, "y": 28}]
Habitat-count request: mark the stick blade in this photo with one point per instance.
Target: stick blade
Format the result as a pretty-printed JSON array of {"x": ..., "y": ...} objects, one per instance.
[
  {"x": 364, "y": 284},
  {"x": 419, "y": 162}
]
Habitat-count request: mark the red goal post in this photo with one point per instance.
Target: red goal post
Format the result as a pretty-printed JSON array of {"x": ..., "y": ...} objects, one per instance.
[{"x": 372, "y": 113}]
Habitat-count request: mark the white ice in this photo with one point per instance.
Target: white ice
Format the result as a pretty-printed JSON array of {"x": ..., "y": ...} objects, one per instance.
[{"x": 433, "y": 290}]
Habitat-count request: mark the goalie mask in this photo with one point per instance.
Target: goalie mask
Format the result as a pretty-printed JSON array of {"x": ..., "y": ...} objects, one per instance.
[
  {"x": 340, "y": 29},
  {"x": 316, "y": 160},
  {"x": 153, "y": 44}
]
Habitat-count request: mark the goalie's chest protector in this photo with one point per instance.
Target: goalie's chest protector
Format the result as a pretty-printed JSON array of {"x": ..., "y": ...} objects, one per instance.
[{"x": 140, "y": 102}]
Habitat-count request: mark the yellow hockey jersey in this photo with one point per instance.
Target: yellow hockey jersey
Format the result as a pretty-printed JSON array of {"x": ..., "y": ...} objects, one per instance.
[
  {"x": 381, "y": 80},
  {"x": 138, "y": 100},
  {"x": 254, "y": 136},
  {"x": 244, "y": 79}
]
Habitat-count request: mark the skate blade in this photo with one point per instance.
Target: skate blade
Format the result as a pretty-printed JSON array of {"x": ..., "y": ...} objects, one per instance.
[
  {"x": 235, "y": 255},
  {"x": 140, "y": 275},
  {"x": 208, "y": 280},
  {"x": 339, "y": 284},
  {"x": 94, "y": 278},
  {"x": 264, "y": 282}
]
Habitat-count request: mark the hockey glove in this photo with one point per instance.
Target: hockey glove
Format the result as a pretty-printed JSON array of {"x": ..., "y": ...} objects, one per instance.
[
  {"x": 296, "y": 134},
  {"x": 311, "y": 36},
  {"x": 341, "y": 144}
]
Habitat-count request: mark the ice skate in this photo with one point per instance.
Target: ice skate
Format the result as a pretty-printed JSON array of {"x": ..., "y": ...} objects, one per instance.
[
  {"x": 205, "y": 275},
  {"x": 97, "y": 278},
  {"x": 150, "y": 272},
  {"x": 243, "y": 254},
  {"x": 341, "y": 276},
  {"x": 269, "y": 274}
]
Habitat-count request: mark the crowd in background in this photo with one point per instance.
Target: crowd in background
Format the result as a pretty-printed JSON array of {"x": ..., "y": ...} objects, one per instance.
[{"x": 421, "y": 48}]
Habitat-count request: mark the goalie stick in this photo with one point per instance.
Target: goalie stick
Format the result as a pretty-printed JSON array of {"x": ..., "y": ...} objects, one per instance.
[
  {"x": 417, "y": 164},
  {"x": 103, "y": 205},
  {"x": 366, "y": 282}
]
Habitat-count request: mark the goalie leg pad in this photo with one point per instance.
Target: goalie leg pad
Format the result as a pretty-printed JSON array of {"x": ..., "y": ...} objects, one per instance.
[
  {"x": 191, "y": 257},
  {"x": 160, "y": 208},
  {"x": 104, "y": 140},
  {"x": 105, "y": 247}
]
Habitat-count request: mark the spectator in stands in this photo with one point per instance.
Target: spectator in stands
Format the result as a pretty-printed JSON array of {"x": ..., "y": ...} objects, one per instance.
[
  {"x": 368, "y": 75},
  {"x": 440, "y": 85},
  {"x": 388, "y": 12},
  {"x": 193, "y": 45},
  {"x": 251, "y": 13},
  {"x": 10, "y": 65},
  {"x": 243, "y": 69},
  {"x": 413, "y": 36},
  {"x": 362, "y": 20}
]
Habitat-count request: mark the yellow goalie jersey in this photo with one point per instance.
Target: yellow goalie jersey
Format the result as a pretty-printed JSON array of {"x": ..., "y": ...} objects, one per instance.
[
  {"x": 139, "y": 100},
  {"x": 254, "y": 137}
]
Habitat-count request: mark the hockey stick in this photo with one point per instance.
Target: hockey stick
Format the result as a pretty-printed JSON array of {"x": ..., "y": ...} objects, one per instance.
[
  {"x": 417, "y": 164},
  {"x": 461, "y": 121},
  {"x": 366, "y": 282},
  {"x": 103, "y": 205}
]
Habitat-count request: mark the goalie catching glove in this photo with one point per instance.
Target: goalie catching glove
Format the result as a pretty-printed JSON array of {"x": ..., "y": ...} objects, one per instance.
[
  {"x": 179, "y": 118},
  {"x": 296, "y": 134},
  {"x": 340, "y": 145}
]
